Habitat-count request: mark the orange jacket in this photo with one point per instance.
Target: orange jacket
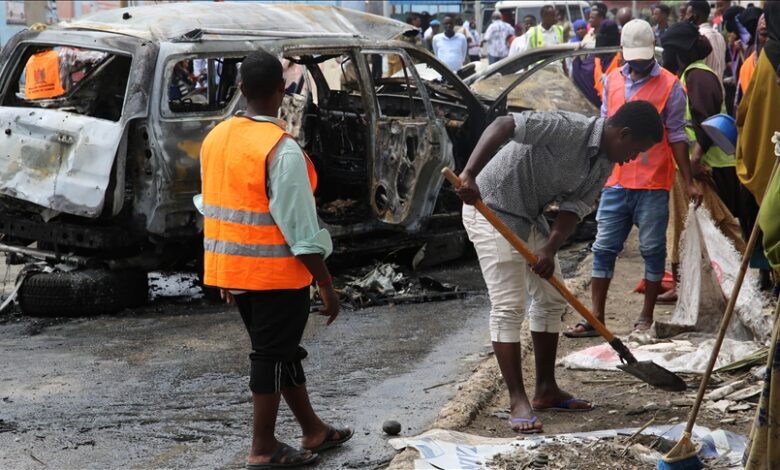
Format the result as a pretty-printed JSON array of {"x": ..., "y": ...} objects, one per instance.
[
  {"x": 244, "y": 249},
  {"x": 746, "y": 72},
  {"x": 653, "y": 169},
  {"x": 42, "y": 76},
  {"x": 598, "y": 72}
]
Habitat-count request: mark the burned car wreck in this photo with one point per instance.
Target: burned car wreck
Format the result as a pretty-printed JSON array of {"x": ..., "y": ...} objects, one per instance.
[{"x": 103, "y": 119}]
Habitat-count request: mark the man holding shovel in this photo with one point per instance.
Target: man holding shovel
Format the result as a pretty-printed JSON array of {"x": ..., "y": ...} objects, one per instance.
[{"x": 551, "y": 157}]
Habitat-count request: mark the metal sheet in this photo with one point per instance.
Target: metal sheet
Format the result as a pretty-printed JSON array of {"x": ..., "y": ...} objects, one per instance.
[
  {"x": 146, "y": 21},
  {"x": 61, "y": 161}
]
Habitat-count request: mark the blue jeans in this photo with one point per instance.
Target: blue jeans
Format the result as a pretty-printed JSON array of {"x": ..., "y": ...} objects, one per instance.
[
  {"x": 619, "y": 210},
  {"x": 493, "y": 59}
]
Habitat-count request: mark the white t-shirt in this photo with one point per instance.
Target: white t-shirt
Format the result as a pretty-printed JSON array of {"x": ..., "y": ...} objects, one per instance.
[{"x": 452, "y": 51}]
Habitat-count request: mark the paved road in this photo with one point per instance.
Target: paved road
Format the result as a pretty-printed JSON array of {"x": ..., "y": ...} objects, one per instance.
[{"x": 166, "y": 386}]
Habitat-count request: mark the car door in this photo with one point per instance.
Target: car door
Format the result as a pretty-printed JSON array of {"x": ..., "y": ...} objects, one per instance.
[
  {"x": 532, "y": 80},
  {"x": 411, "y": 143}
]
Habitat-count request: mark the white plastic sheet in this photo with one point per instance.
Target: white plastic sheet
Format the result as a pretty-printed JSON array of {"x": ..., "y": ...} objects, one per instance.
[
  {"x": 675, "y": 355},
  {"x": 709, "y": 265}
]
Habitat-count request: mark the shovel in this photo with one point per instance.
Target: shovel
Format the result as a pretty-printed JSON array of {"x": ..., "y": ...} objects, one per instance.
[{"x": 646, "y": 371}]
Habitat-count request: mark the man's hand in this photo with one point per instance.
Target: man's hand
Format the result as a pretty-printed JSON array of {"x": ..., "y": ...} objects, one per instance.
[
  {"x": 226, "y": 296},
  {"x": 694, "y": 193},
  {"x": 468, "y": 190},
  {"x": 331, "y": 303},
  {"x": 545, "y": 263}
]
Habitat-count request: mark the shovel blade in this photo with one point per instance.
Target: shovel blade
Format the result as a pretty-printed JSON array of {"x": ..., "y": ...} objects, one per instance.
[{"x": 655, "y": 375}]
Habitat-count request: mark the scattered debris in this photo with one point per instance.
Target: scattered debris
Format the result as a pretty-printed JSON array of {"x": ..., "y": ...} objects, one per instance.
[
  {"x": 386, "y": 283},
  {"x": 608, "y": 449}
]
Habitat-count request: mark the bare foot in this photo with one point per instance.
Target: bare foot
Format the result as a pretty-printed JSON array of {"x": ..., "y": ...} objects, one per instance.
[
  {"x": 283, "y": 454},
  {"x": 560, "y": 400},
  {"x": 643, "y": 324}
]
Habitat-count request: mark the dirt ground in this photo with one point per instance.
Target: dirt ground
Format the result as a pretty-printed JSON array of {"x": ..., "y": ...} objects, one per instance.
[{"x": 621, "y": 400}]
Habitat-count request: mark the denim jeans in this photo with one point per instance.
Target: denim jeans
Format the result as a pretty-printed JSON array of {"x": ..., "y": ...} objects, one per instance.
[
  {"x": 619, "y": 210},
  {"x": 493, "y": 59}
]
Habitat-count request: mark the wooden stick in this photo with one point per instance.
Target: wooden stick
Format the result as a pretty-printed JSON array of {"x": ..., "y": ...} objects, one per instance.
[
  {"x": 518, "y": 244},
  {"x": 724, "y": 323}
]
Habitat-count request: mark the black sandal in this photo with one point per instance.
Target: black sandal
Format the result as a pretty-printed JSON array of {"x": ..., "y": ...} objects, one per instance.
[
  {"x": 345, "y": 434},
  {"x": 285, "y": 457},
  {"x": 587, "y": 331}
]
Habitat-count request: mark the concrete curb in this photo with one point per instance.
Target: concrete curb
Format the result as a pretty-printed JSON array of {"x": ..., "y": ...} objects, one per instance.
[{"x": 459, "y": 412}]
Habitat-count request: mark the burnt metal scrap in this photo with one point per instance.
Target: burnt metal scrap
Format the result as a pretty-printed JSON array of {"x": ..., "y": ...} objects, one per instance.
[{"x": 387, "y": 283}]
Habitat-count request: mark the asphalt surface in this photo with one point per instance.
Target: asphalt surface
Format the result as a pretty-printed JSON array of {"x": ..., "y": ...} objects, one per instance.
[{"x": 165, "y": 386}]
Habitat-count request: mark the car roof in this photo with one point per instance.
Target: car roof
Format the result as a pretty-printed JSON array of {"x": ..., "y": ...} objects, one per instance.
[{"x": 172, "y": 21}]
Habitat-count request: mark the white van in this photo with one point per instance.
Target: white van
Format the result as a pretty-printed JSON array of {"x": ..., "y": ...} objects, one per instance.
[{"x": 515, "y": 10}]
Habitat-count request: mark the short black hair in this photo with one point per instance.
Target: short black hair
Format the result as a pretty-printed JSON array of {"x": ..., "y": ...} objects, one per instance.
[
  {"x": 642, "y": 118},
  {"x": 701, "y": 8},
  {"x": 261, "y": 74},
  {"x": 601, "y": 9},
  {"x": 664, "y": 9},
  {"x": 533, "y": 18},
  {"x": 545, "y": 9}
]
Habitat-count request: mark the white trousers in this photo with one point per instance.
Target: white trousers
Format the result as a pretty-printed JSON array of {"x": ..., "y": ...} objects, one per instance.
[{"x": 510, "y": 280}]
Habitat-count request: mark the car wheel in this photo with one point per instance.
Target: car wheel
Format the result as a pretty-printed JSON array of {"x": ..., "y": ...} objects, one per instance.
[{"x": 83, "y": 292}]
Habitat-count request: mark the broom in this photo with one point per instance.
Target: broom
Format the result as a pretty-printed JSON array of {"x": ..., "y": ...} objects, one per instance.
[{"x": 683, "y": 456}]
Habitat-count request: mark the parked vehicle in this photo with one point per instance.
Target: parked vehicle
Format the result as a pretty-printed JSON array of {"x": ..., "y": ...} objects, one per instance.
[{"x": 99, "y": 176}]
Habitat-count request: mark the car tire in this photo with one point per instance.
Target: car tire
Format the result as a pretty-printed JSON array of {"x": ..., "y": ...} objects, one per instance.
[{"x": 84, "y": 292}]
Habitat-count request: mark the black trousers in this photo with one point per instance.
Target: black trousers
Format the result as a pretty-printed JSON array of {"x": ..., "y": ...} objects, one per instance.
[{"x": 275, "y": 321}]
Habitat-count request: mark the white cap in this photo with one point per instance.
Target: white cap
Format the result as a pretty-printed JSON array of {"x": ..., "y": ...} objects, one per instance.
[{"x": 637, "y": 40}]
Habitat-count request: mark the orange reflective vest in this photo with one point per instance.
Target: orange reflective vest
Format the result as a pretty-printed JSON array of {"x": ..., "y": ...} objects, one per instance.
[
  {"x": 599, "y": 72},
  {"x": 244, "y": 248},
  {"x": 653, "y": 169},
  {"x": 746, "y": 72},
  {"x": 42, "y": 76}
]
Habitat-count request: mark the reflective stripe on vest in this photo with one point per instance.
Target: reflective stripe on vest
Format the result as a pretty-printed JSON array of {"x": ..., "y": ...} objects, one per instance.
[
  {"x": 244, "y": 248},
  {"x": 599, "y": 72},
  {"x": 537, "y": 38},
  {"x": 653, "y": 169},
  {"x": 42, "y": 76},
  {"x": 714, "y": 157}
]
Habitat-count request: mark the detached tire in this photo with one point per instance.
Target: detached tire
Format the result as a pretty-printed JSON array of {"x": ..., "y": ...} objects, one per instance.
[{"x": 81, "y": 293}]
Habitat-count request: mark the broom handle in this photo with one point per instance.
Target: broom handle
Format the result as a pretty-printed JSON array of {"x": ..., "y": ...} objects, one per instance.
[
  {"x": 518, "y": 244},
  {"x": 724, "y": 322}
]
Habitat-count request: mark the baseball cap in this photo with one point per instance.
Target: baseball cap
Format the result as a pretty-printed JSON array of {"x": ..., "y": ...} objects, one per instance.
[
  {"x": 637, "y": 40},
  {"x": 435, "y": 23}
]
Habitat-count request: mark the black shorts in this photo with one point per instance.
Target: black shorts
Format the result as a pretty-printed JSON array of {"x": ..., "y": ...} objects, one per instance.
[{"x": 275, "y": 321}]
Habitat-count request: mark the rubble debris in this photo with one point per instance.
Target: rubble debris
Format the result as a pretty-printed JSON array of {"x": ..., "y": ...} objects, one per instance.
[
  {"x": 607, "y": 449},
  {"x": 727, "y": 389},
  {"x": 386, "y": 283}
]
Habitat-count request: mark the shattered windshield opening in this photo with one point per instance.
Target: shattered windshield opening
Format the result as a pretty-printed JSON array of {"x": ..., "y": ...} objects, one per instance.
[{"x": 72, "y": 79}]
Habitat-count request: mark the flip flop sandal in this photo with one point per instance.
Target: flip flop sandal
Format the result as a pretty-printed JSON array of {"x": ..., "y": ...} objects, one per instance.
[
  {"x": 284, "y": 457},
  {"x": 565, "y": 406},
  {"x": 532, "y": 420},
  {"x": 588, "y": 331},
  {"x": 329, "y": 443}
]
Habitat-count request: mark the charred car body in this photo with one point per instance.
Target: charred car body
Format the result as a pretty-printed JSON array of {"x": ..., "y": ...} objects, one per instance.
[{"x": 99, "y": 168}]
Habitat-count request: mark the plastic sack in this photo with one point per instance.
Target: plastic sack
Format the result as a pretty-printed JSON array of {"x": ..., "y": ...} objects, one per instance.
[{"x": 709, "y": 265}]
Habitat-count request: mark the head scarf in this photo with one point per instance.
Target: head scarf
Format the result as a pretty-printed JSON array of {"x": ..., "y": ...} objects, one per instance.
[
  {"x": 608, "y": 35},
  {"x": 772, "y": 47},
  {"x": 683, "y": 45}
]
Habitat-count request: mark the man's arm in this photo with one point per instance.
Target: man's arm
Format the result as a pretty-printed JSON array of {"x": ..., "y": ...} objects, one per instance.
[
  {"x": 465, "y": 48},
  {"x": 498, "y": 132},
  {"x": 293, "y": 209},
  {"x": 674, "y": 121},
  {"x": 562, "y": 229}
]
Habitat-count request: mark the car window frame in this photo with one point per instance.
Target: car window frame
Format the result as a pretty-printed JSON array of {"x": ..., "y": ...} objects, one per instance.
[{"x": 170, "y": 62}]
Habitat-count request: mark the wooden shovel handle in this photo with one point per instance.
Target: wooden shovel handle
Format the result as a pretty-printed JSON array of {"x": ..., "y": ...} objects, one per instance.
[{"x": 518, "y": 244}]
